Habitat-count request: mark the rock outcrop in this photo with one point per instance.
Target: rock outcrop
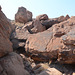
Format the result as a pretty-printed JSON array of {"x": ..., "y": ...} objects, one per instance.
[
  {"x": 67, "y": 55},
  {"x": 5, "y": 31},
  {"x": 23, "y": 15},
  {"x": 48, "y": 44},
  {"x": 37, "y": 44}
]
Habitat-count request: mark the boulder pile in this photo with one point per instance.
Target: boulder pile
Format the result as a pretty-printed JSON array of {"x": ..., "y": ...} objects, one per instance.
[{"x": 39, "y": 46}]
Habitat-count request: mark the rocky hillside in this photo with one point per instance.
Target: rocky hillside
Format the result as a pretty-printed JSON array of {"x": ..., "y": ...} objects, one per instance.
[{"x": 39, "y": 46}]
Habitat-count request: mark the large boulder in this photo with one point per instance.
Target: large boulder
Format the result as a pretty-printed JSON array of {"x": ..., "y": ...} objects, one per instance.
[
  {"x": 12, "y": 64},
  {"x": 36, "y": 45},
  {"x": 62, "y": 41},
  {"x": 5, "y": 31},
  {"x": 50, "y": 45},
  {"x": 23, "y": 15}
]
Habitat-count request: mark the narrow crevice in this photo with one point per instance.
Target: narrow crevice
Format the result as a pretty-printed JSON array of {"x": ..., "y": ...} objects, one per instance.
[
  {"x": 22, "y": 40},
  {"x": 29, "y": 30}
]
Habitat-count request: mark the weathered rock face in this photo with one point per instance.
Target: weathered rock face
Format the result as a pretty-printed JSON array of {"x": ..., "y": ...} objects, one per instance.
[
  {"x": 23, "y": 15},
  {"x": 63, "y": 33},
  {"x": 36, "y": 44},
  {"x": 12, "y": 64},
  {"x": 51, "y": 43},
  {"x": 5, "y": 31},
  {"x": 42, "y": 41},
  {"x": 67, "y": 55},
  {"x": 4, "y": 24}
]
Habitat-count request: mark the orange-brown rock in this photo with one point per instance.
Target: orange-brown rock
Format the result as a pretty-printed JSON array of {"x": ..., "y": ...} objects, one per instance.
[
  {"x": 23, "y": 15},
  {"x": 38, "y": 27},
  {"x": 56, "y": 42},
  {"x": 37, "y": 43},
  {"x": 5, "y": 31},
  {"x": 67, "y": 55},
  {"x": 63, "y": 27}
]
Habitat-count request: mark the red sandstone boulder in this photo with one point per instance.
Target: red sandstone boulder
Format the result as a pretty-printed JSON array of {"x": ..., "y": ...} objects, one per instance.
[
  {"x": 23, "y": 15},
  {"x": 5, "y": 31},
  {"x": 36, "y": 44}
]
